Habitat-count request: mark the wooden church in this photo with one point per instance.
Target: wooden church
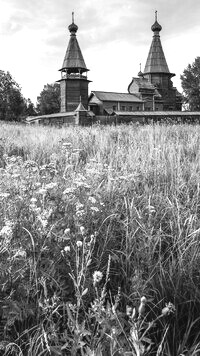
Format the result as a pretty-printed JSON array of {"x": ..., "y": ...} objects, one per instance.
[{"x": 151, "y": 94}]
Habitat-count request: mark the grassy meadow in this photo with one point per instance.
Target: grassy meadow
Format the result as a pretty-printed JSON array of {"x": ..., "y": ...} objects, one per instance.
[{"x": 99, "y": 240}]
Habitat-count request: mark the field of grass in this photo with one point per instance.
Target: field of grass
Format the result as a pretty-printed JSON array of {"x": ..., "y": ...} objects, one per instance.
[{"x": 100, "y": 240}]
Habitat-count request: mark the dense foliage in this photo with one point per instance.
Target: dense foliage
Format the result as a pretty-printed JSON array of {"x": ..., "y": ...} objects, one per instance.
[
  {"x": 13, "y": 106},
  {"x": 190, "y": 80},
  {"x": 49, "y": 100},
  {"x": 99, "y": 241}
]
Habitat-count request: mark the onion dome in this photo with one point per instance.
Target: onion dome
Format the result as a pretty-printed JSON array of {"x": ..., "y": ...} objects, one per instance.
[
  {"x": 73, "y": 28},
  {"x": 156, "y": 27}
]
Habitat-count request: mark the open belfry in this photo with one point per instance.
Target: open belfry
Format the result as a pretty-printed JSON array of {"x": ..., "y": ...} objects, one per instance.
[{"x": 74, "y": 82}]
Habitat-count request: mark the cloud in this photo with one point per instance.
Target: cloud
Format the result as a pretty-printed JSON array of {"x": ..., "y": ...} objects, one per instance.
[{"x": 112, "y": 34}]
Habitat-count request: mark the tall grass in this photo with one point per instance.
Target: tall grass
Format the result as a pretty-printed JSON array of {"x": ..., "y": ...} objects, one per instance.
[{"x": 135, "y": 190}]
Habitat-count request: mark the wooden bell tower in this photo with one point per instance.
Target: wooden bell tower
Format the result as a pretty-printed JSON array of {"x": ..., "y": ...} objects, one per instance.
[{"x": 73, "y": 82}]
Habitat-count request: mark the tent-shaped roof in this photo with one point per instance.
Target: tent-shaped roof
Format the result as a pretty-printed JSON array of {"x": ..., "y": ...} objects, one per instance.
[
  {"x": 73, "y": 61},
  {"x": 156, "y": 62}
]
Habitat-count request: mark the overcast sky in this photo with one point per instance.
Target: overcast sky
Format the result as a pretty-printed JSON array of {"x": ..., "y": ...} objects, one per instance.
[{"x": 114, "y": 36}]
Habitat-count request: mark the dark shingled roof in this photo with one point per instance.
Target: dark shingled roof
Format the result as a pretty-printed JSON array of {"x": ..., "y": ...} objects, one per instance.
[
  {"x": 112, "y": 96},
  {"x": 73, "y": 57},
  {"x": 143, "y": 83},
  {"x": 156, "y": 62}
]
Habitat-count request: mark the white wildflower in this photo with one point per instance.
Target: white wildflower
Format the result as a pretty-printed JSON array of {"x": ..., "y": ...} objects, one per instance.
[
  {"x": 69, "y": 191},
  {"x": 4, "y": 195},
  {"x": 66, "y": 144},
  {"x": 67, "y": 249},
  {"x": 94, "y": 208},
  {"x": 82, "y": 229},
  {"x": 168, "y": 309},
  {"x": 20, "y": 253},
  {"x": 79, "y": 244},
  {"x": 79, "y": 206},
  {"x": 51, "y": 185},
  {"x": 38, "y": 184},
  {"x": 44, "y": 223},
  {"x": 92, "y": 200},
  {"x": 80, "y": 213},
  {"x": 97, "y": 277},
  {"x": 42, "y": 191},
  {"x": 6, "y": 231},
  {"x": 15, "y": 175},
  {"x": 67, "y": 231},
  {"x": 33, "y": 201},
  {"x": 142, "y": 305}
]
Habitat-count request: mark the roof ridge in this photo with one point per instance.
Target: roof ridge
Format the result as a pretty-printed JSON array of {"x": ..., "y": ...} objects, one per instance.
[{"x": 111, "y": 92}]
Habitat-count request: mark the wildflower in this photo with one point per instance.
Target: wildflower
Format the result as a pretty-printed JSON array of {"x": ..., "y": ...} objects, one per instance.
[
  {"x": 44, "y": 222},
  {"x": 129, "y": 310},
  {"x": 42, "y": 191},
  {"x": 141, "y": 308},
  {"x": 33, "y": 201},
  {"x": 94, "y": 209},
  {"x": 66, "y": 145},
  {"x": 51, "y": 185},
  {"x": 67, "y": 249},
  {"x": 13, "y": 159},
  {"x": 29, "y": 163},
  {"x": 20, "y": 253},
  {"x": 79, "y": 244},
  {"x": 15, "y": 175},
  {"x": 89, "y": 243},
  {"x": 97, "y": 277},
  {"x": 92, "y": 200},
  {"x": 93, "y": 160},
  {"x": 38, "y": 184},
  {"x": 79, "y": 206},
  {"x": 168, "y": 309},
  {"x": 80, "y": 213},
  {"x": 69, "y": 191},
  {"x": 4, "y": 195},
  {"x": 82, "y": 229},
  {"x": 82, "y": 184},
  {"x": 67, "y": 231},
  {"x": 6, "y": 231}
]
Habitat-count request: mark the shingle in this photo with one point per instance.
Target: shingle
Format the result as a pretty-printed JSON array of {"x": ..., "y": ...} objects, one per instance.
[
  {"x": 73, "y": 57},
  {"x": 111, "y": 96}
]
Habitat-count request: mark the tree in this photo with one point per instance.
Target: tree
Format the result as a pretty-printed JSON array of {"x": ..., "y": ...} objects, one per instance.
[
  {"x": 49, "y": 100},
  {"x": 30, "y": 109},
  {"x": 12, "y": 103},
  {"x": 190, "y": 80}
]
